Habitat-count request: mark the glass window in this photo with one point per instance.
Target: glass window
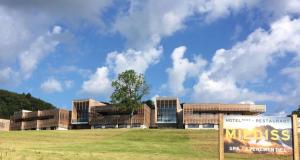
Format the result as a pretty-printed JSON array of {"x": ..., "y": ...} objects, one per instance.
[
  {"x": 166, "y": 112},
  {"x": 193, "y": 125},
  {"x": 208, "y": 125}
]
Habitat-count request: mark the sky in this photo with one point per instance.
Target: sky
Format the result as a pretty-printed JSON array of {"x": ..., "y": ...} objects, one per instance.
[{"x": 202, "y": 51}]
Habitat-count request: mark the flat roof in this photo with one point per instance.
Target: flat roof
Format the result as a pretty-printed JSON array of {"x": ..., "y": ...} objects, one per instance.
[
  {"x": 87, "y": 99},
  {"x": 166, "y": 98}
]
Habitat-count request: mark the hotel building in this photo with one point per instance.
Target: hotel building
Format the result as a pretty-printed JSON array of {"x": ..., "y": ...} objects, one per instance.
[
  {"x": 54, "y": 119},
  {"x": 167, "y": 113},
  {"x": 111, "y": 117},
  {"x": 4, "y": 124},
  {"x": 206, "y": 115},
  {"x": 81, "y": 110}
]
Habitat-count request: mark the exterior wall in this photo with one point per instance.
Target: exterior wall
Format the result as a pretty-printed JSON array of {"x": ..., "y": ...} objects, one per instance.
[
  {"x": 4, "y": 124},
  {"x": 40, "y": 120},
  {"x": 80, "y": 106},
  {"x": 153, "y": 119},
  {"x": 200, "y": 115},
  {"x": 299, "y": 125},
  {"x": 111, "y": 117}
]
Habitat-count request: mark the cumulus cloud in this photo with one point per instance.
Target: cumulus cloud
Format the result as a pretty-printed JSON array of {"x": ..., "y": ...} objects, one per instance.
[
  {"x": 8, "y": 75},
  {"x": 51, "y": 86},
  {"x": 98, "y": 83},
  {"x": 39, "y": 49},
  {"x": 13, "y": 33},
  {"x": 182, "y": 69},
  {"x": 28, "y": 57},
  {"x": 147, "y": 22},
  {"x": 247, "y": 62},
  {"x": 28, "y": 22},
  {"x": 133, "y": 59}
]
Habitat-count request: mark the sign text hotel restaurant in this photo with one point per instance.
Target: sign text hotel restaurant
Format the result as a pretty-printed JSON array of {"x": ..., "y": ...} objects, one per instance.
[{"x": 258, "y": 135}]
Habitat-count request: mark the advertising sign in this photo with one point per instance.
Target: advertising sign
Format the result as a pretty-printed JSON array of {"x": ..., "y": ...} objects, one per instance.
[{"x": 258, "y": 135}]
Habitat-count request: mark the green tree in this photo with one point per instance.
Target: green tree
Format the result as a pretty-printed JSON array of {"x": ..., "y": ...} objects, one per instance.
[
  {"x": 11, "y": 102},
  {"x": 297, "y": 111},
  {"x": 149, "y": 103},
  {"x": 129, "y": 89}
]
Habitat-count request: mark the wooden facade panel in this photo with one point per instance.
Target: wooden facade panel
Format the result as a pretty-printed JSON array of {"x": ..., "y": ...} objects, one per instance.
[
  {"x": 4, "y": 124},
  {"x": 53, "y": 118},
  {"x": 209, "y": 113},
  {"x": 109, "y": 115}
]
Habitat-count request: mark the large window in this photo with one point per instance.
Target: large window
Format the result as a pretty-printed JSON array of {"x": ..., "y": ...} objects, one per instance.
[
  {"x": 82, "y": 112},
  {"x": 166, "y": 111}
]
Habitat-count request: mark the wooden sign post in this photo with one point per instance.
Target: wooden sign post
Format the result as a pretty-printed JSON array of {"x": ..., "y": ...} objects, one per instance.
[
  {"x": 295, "y": 137},
  {"x": 221, "y": 136}
]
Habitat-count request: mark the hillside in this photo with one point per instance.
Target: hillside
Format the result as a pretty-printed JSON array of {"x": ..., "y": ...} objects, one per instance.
[
  {"x": 118, "y": 144},
  {"x": 11, "y": 102}
]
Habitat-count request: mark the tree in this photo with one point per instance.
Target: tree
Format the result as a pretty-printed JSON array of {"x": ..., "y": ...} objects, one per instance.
[
  {"x": 149, "y": 103},
  {"x": 129, "y": 89},
  {"x": 11, "y": 102},
  {"x": 297, "y": 111}
]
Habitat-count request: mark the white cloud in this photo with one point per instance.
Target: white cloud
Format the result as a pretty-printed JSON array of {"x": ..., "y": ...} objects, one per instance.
[
  {"x": 51, "y": 86},
  {"x": 56, "y": 30},
  {"x": 13, "y": 33},
  {"x": 25, "y": 39},
  {"x": 181, "y": 70},
  {"x": 68, "y": 84},
  {"x": 8, "y": 75},
  {"x": 38, "y": 50},
  {"x": 247, "y": 63},
  {"x": 133, "y": 59},
  {"x": 98, "y": 83},
  {"x": 147, "y": 22},
  {"x": 226, "y": 90},
  {"x": 281, "y": 7},
  {"x": 29, "y": 57}
]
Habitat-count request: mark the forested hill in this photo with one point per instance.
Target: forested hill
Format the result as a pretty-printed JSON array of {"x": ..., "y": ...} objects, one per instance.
[{"x": 11, "y": 102}]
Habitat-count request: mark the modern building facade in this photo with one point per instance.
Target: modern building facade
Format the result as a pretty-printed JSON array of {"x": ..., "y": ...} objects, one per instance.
[
  {"x": 4, "y": 124},
  {"x": 81, "y": 110},
  {"x": 54, "y": 119},
  {"x": 206, "y": 116},
  {"x": 111, "y": 117},
  {"x": 168, "y": 112}
]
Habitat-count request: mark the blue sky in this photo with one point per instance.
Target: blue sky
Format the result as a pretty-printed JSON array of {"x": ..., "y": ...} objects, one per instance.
[{"x": 201, "y": 51}]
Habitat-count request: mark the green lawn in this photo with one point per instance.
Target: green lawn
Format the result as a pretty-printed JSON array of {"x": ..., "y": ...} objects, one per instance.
[{"x": 160, "y": 144}]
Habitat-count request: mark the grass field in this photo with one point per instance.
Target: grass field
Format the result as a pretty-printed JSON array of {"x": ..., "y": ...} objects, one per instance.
[{"x": 116, "y": 144}]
